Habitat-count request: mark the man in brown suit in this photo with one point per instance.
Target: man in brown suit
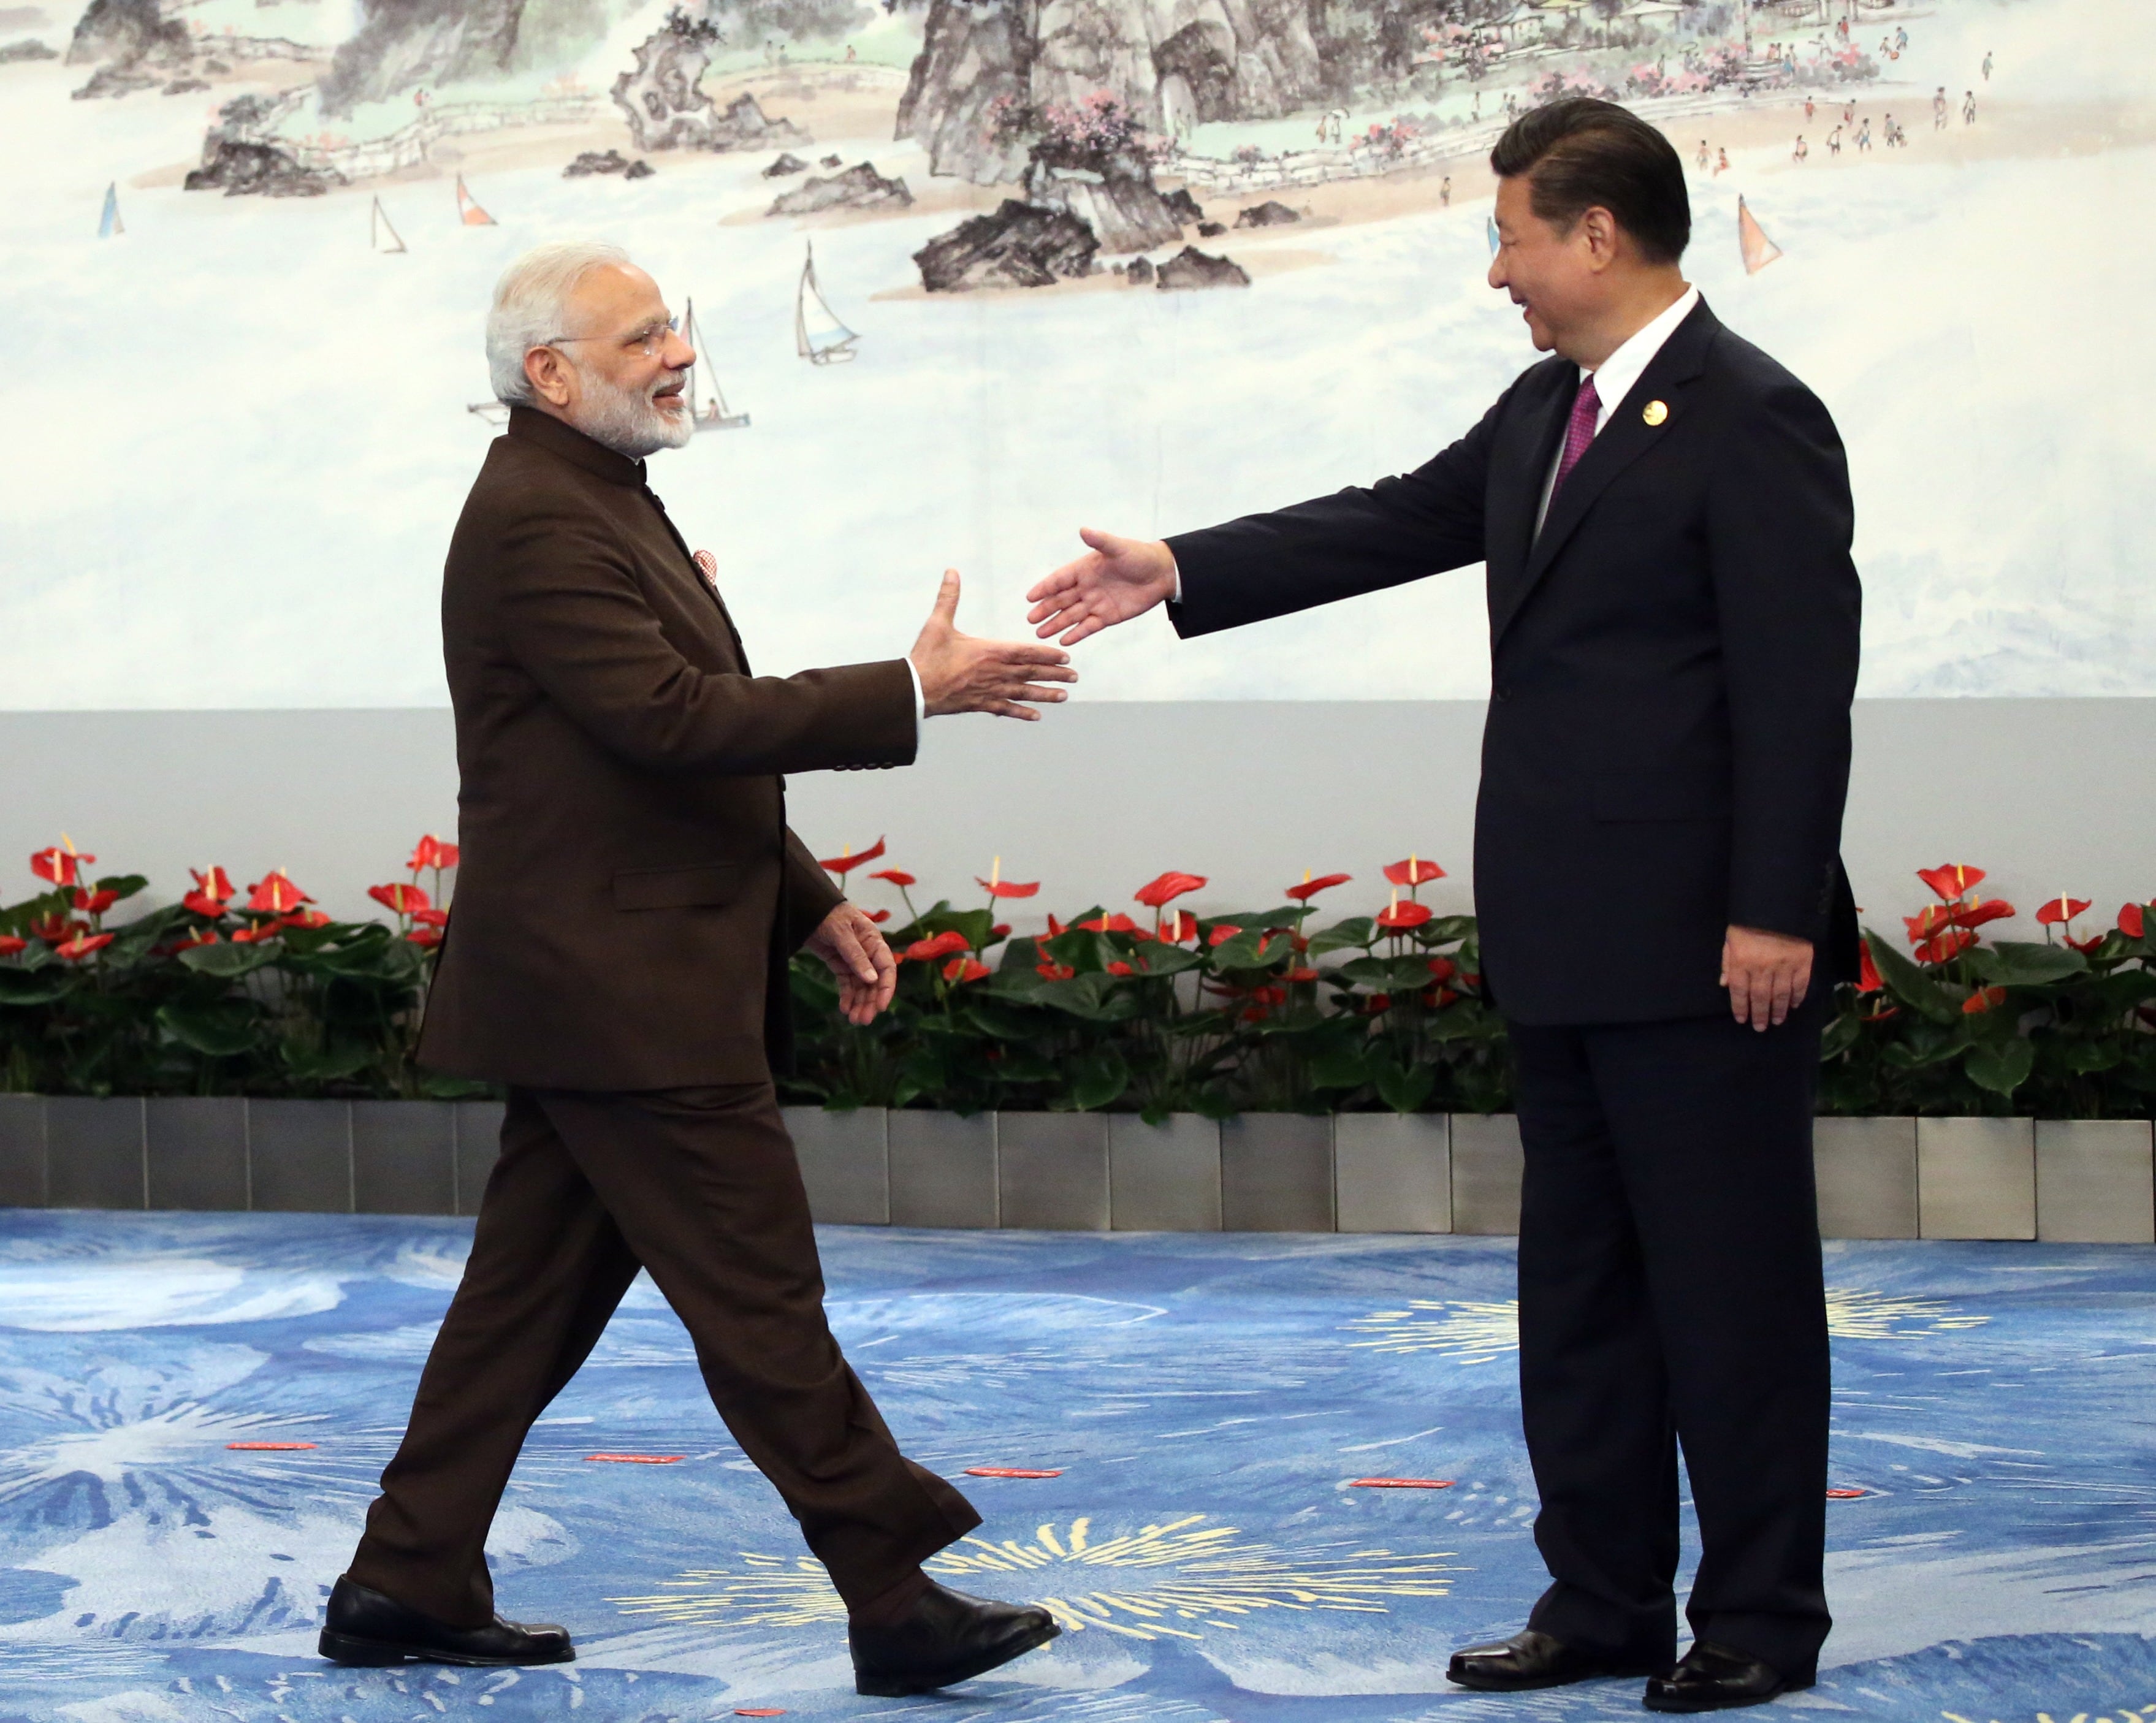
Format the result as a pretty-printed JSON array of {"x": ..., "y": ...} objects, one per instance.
[{"x": 627, "y": 902}]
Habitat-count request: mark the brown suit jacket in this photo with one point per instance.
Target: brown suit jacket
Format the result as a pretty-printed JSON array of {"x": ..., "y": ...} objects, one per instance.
[{"x": 628, "y": 890}]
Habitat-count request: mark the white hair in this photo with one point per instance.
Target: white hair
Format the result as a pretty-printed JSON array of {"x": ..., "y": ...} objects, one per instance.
[{"x": 530, "y": 301}]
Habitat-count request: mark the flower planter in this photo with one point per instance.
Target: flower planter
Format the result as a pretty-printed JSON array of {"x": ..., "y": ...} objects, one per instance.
[
  {"x": 404, "y": 1157},
  {"x": 1164, "y": 1178},
  {"x": 299, "y": 1155},
  {"x": 2094, "y": 1184},
  {"x": 479, "y": 1145},
  {"x": 22, "y": 1151},
  {"x": 1487, "y": 1162},
  {"x": 1866, "y": 1173},
  {"x": 1052, "y": 1171},
  {"x": 197, "y": 1151},
  {"x": 1393, "y": 1173},
  {"x": 95, "y": 1156},
  {"x": 942, "y": 1169},
  {"x": 845, "y": 1164},
  {"x": 1276, "y": 1173},
  {"x": 1976, "y": 1178}
]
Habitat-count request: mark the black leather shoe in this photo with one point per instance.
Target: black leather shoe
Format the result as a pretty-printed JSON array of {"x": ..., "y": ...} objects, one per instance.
[
  {"x": 1713, "y": 1678},
  {"x": 946, "y": 1637},
  {"x": 1529, "y": 1659},
  {"x": 364, "y": 1627}
]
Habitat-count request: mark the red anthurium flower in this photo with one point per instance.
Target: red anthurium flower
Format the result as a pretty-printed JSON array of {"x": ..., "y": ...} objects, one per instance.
[
  {"x": 200, "y": 936},
  {"x": 1054, "y": 972},
  {"x": 401, "y": 899},
  {"x": 1950, "y": 879},
  {"x": 216, "y": 885},
  {"x": 999, "y": 930},
  {"x": 203, "y": 903},
  {"x": 1303, "y": 974},
  {"x": 275, "y": 895},
  {"x": 1981, "y": 1000},
  {"x": 1116, "y": 923},
  {"x": 1055, "y": 927},
  {"x": 2131, "y": 920},
  {"x": 1006, "y": 888},
  {"x": 1380, "y": 1001},
  {"x": 94, "y": 903},
  {"x": 1414, "y": 871},
  {"x": 897, "y": 876},
  {"x": 261, "y": 930},
  {"x": 964, "y": 969},
  {"x": 2061, "y": 910},
  {"x": 53, "y": 929},
  {"x": 1269, "y": 996},
  {"x": 431, "y": 918},
  {"x": 83, "y": 944},
  {"x": 2086, "y": 945},
  {"x": 1950, "y": 944},
  {"x": 1180, "y": 925},
  {"x": 431, "y": 852},
  {"x": 1170, "y": 885},
  {"x": 1984, "y": 910},
  {"x": 1867, "y": 972},
  {"x": 427, "y": 938},
  {"x": 847, "y": 862},
  {"x": 1443, "y": 969},
  {"x": 1469, "y": 978},
  {"x": 1221, "y": 935},
  {"x": 11, "y": 943},
  {"x": 1399, "y": 917},
  {"x": 927, "y": 951},
  {"x": 1120, "y": 967},
  {"x": 878, "y": 916},
  {"x": 1309, "y": 889},
  {"x": 63, "y": 867},
  {"x": 306, "y": 918}
]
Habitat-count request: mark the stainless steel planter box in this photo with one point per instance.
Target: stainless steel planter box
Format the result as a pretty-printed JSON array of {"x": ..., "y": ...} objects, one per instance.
[
  {"x": 942, "y": 1169},
  {"x": 22, "y": 1151},
  {"x": 1976, "y": 1178},
  {"x": 300, "y": 1155},
  {"x": 2093, "y": 1181},
  {"x": 197, "y": 1148},
  {"x": 1487, "y": 1162},
  {"x": 1276, "y": 1173},
  {"x": 1164, "y": 1178},
  {"x": 1866, "y": 1170},
  {"x": 479, "y": 1145},
  {"x": 404, "y": 1157},
  {"x": 1052, "y": 1171},
  {"x": 845, "y": 1163},
  {"x": 1393, "y": 1173},
  {"x": 95, "y": 1154}
]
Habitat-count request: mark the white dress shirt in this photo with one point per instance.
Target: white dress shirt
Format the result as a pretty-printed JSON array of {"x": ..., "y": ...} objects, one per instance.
[{"x": 1615, "y": 375}]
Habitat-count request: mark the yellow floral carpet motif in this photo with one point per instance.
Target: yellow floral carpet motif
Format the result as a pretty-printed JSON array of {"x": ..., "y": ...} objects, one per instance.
[
  {"x": 1182, "y": 1572},
  {"x": 1474, "y": 1332}
]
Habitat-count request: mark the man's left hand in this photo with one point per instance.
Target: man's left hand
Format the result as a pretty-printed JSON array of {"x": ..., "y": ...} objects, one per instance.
[
  {"x": 1768, "y": 974},
  {"x": 868, "y": 974}
]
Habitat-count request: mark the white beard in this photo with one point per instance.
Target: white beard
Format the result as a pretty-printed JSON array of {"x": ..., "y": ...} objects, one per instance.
[{"x": 628, "y": 421}]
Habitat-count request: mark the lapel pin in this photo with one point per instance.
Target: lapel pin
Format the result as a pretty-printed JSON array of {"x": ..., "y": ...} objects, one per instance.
[
  {"x": 707, "y": 565},
  {"x": 1654, "y": 413}
]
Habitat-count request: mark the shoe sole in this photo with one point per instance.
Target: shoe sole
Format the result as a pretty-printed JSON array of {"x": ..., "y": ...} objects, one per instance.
[
  {"x": 1477, "y": 1685},
  {"x": 900, "y": 1687},
  {"x": 350, "y": 1649},
  {"x": 1716, "y": 1705}
]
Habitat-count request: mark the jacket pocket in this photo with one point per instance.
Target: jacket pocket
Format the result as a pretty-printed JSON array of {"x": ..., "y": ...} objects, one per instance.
[
  {"x": 708, "y": 886},
  {"x": 1630, "y": 797}
]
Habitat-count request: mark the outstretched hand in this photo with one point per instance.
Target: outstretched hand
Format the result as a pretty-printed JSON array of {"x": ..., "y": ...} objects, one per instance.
[
  {"x": 960, "y": 673},
  {"x": 1117, "y": 579},
  {"x": 848, "y": 942}
]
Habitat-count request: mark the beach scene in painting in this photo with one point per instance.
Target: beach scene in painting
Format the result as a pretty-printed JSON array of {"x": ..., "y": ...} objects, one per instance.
[{"x": 963, "y": 275}]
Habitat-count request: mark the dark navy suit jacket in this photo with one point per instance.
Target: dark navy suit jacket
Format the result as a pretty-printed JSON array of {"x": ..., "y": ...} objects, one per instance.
[{"x": 1673, "y": 659}]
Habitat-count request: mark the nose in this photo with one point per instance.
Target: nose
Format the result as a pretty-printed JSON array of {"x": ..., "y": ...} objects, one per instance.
[{"x": 676, "y": 351}]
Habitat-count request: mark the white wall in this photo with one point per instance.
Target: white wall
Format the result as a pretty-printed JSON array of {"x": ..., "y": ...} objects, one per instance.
[{"x": 2049, "y": 795}]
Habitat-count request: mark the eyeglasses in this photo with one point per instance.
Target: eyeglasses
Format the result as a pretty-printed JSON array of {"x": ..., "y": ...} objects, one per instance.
[{"x": 647, "y": 340}]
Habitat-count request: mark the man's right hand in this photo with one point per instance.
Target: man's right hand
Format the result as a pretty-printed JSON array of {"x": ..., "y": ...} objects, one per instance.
[
  {"x": 960, "y": 673},
  {"x": 1117, "y": 579}
]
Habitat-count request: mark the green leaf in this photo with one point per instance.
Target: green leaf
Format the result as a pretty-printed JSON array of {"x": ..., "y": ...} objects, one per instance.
[
  {"x": 328, "y": 1065},
  {"x": 1099, "y": 1078},
  {"x": 2012, "y": 963},
  {"x": 227, "y": 962},
  {"x": 124, "y": 885},
  {"x": 220, "y": 1027},
  {"x": 1909, "y": 983},
  {"x": 35, "y": 986},
  {"x": 2083, "y": 1057},
  {"x": 1356, "y": 932},
  {"x": 1390, "y": 975},
  {"x": 1241, "y": 952},
  {"x": 1339, "y": 1067},
  {"x": 2002, "y": 1069},
  {"x": 1162, "y": 960},
  {"x": 1403, "y": 1088}
]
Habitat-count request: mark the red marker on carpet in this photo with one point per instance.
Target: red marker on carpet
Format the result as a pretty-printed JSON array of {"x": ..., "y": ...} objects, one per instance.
[
  {"x": 762, "y": 1711},
  {"x": 269, "y": 1447},
  {"x": 1399, "y": 1483},
  {"x": 637, "y": 1460},
  {"x": 1008, "y": 1472},
  {"x": 1845, "y": 1495}
]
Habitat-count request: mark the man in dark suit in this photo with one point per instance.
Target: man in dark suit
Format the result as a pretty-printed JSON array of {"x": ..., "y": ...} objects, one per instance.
[
  {"x": 628, "y": 900},
  {"x": 1665, "y": 514}
]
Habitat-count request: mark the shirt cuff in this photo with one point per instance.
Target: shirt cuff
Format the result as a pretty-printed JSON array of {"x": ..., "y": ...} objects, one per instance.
[
  {"x": 920, "y": 702},
  {"x": 1177, "y": 569}
]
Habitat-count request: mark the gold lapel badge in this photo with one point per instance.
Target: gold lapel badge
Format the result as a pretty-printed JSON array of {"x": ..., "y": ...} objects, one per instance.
[{"x": 1654, "y": 413}]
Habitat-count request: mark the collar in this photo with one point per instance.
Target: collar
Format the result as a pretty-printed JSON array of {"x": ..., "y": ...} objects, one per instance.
[
  {"x": 557, "y": 436},
  {"x": 1614, "y": 377}
]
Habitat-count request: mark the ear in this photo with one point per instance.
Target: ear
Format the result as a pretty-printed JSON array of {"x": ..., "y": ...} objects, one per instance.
[
  {"x": 548, "y": 373},
  {"x": 1599, "y": 228}
]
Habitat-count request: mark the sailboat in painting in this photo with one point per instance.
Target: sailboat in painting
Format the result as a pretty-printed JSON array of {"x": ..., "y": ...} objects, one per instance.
[
  {"x": 1752, "y": 241},
  {"x": 711, "y": 415},
  {"x": 819, "y": 336},
  {"x": 108, "y": 222},
  {"x": 380, "y": 235},
  {"x": 468, "y": 209}
]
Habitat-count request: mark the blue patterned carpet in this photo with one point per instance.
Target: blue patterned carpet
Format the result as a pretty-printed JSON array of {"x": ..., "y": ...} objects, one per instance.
[{"x": 1207, "y": 1399}]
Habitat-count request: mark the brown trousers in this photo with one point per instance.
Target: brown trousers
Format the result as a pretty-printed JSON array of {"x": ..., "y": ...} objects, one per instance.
[{"x": 701, "y": 1187}]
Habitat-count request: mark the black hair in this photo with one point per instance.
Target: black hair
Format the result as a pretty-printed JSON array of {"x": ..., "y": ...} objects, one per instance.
[{"x": 1579, "y": 154}]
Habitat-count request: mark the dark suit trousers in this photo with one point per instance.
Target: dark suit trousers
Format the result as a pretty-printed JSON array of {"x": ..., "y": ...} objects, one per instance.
[
  {"x": 1670, "y": 1293},
  {"x": 700, "y": 1186}
]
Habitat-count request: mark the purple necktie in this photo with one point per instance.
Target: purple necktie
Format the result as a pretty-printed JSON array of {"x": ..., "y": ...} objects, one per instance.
[{"x": 1578, "y": 430}]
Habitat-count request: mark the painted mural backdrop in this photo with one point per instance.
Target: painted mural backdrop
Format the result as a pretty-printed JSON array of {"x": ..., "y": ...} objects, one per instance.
[{"x": 966, "y": 273}]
